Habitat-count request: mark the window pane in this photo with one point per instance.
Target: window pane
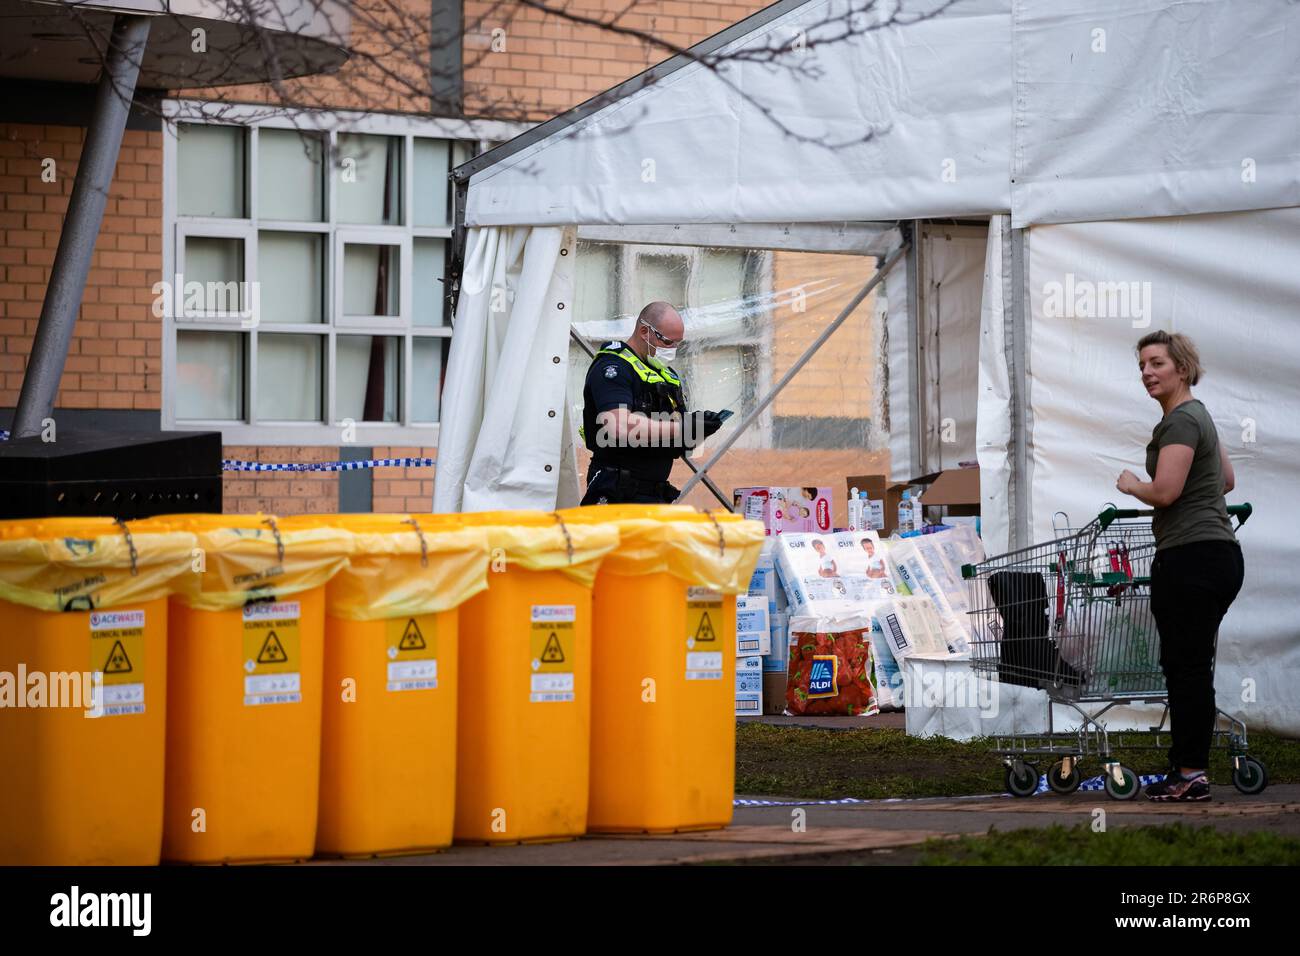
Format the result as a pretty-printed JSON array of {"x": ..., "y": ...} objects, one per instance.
[
  {"x": 369, "y": 179},
  {"x": 211, "y": 160},
  {"x": 428, "y": 361},
  {"x": 431, "y": 183},
  {"x": 430, "y": 269},
  {"x": 288, "y": 378},
  {"x": 660, "y": 279},
  {"x": 370, "y": 279},
  {"x": 722, "y": 276},
  {"x": 289, "y": 270},
  {"x": 594, "y": 284},
  {"x": 219, "y": 265},
  {"x": 290, "y": 176},
  {"x": 366, "y": 378},
  {"x": 210, "y": 375}
]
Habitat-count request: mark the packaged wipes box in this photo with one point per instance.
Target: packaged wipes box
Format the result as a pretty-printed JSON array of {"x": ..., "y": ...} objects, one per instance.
[
  {"x": 749, "y": 686},
  {"x": 908, "y": 559},
  {"x": 753, "y": 634}
]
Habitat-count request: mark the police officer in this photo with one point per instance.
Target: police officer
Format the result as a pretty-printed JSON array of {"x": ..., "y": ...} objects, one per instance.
[{"x": 634, "y": 415}]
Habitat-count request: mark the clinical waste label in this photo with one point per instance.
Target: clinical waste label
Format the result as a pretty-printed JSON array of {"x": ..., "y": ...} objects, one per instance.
[
  {"x": 412, "y": 649},
  {"x": 703, "y": 634},
  {"x": 552, "y": 639},
  {"x": 117, "y": 653},
  {"x": 272, "y": 649}
]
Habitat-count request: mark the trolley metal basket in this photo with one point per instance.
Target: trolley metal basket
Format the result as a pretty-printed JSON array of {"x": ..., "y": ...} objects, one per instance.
[{"x": 1072, "y": 616}]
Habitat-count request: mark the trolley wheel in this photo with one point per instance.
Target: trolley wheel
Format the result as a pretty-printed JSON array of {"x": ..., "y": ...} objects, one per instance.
[
  {"x": 1022, "y": 779},
  {"x": 1062, "y": 784},
  {"x": 1128, "y": 790},
  {"x": 1249, "y": 776}
]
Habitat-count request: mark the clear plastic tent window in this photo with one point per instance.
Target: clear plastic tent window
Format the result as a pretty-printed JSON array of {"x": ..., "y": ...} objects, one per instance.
[{"x": 750, "y": 314}]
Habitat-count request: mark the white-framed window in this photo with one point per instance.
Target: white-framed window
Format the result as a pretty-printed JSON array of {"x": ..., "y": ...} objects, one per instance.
[{"x": 305, "y": 260}]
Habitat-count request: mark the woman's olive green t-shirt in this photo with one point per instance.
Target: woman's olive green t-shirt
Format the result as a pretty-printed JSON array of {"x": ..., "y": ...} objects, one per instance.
[{"x": 1200, "y": 512}]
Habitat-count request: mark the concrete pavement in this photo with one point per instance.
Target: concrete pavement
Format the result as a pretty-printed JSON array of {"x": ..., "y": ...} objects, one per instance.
[{"x": 876, "y": 832}]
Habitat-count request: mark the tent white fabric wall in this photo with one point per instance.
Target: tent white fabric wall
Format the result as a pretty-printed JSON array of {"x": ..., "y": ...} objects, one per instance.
[
  {"x": 1145, "y": 108},
  {"x": 499, "y": 447}
]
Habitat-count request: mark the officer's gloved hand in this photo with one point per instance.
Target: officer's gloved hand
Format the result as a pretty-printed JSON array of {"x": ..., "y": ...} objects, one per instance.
[
  {"x": 697, "y": 426},
  {"x": 712, "y": 422}
]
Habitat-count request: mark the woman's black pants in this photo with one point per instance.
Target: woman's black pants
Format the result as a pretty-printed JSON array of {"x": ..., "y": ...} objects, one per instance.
[{"x": 1192, "y": 586}]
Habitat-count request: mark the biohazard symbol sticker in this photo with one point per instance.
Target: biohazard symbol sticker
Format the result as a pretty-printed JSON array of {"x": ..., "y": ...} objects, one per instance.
[
  {"x": 117, "y": 653},
  {"x": 552, "y": 653},
  {"x": 118, "y": 662},
  {"x": 272, "y": 651},
  {"x": 553, "y": 641},
  {"x": 703, "y": 618},
  {"x": 412, "y": 638},
  {"x": 411, "y": 644}
]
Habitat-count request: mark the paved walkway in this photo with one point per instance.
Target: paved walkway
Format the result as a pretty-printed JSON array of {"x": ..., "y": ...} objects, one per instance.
[{"x": 880, "y": 832}]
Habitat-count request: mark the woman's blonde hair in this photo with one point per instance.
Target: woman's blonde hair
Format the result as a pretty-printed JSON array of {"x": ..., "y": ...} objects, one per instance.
[{"x": 1181, "y": 349}]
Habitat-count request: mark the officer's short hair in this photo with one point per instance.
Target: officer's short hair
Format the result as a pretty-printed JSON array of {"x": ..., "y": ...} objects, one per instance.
[{"x": 653, "y": 312}]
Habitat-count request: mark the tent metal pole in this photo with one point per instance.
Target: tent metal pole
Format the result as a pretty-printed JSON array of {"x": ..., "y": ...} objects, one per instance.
[
  {"x": 708, "y": 482},
  {"x": 757, "y": 410},
  {"x": 81, "y": 225},
  {"x": 1018, "y": 378}
]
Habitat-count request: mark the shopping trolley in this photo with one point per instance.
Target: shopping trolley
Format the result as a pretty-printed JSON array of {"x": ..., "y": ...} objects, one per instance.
[{"x": 1072, "y": 616}]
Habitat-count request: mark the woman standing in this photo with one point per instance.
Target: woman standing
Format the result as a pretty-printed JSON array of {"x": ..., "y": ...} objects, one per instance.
[{"x": 1197, "y": 570}]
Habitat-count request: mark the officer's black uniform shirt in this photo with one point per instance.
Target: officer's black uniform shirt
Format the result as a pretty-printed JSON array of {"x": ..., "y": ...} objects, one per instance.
[{"x": 612, "y": 383}]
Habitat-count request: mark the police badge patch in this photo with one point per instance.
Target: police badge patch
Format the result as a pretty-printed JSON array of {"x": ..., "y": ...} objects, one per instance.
[{"x": 611, "y": 371}]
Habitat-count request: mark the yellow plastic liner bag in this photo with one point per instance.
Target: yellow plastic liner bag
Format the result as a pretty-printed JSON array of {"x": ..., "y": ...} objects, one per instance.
[
  {"x": 664, "y": 666},
  {"x": 83, "y": 634},
  {"x": 388, "y": 734}
]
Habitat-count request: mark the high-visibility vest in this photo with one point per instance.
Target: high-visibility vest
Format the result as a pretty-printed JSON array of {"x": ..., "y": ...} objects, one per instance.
[
  {"x": 652, "y": 374},
  {"x": 656, "y": 373}
]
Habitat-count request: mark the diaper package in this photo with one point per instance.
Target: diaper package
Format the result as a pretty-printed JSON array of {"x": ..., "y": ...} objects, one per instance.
[{"x": 849, "y": 566}]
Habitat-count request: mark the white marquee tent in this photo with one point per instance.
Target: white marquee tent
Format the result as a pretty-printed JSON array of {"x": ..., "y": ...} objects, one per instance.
[{"x": 1135, "y": 165}]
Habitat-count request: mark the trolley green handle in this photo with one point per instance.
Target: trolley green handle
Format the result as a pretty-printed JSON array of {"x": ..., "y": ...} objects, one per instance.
[{"x": 1240, "y": 512}]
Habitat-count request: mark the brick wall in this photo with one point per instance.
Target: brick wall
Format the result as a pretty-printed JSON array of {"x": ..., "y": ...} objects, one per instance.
[
  {"x": 543, "y": 64},
  {"x": 116, "y": 353},
  {"x": 403, "y": 489},
  {"x": 839, "y": 380},
  {"x": 279, "y": 492}
]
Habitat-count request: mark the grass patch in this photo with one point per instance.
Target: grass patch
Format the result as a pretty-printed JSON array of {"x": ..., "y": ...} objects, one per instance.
[
  {"x": 1176, "y": 844},
  {"x": 882, "y": 762}
]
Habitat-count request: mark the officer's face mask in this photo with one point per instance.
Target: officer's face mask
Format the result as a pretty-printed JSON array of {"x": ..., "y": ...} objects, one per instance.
[{"x": 665, "y": 353}]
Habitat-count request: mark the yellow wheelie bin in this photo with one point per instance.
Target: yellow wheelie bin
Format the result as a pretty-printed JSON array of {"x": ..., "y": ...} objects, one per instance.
[
  {"x": 663, "y": 666},
  {"x": 83, "y": 634},
  {"x": 388, "y": 734},
  {"x": 524, "y": 732},
  {"x": 244, "y": 690}
]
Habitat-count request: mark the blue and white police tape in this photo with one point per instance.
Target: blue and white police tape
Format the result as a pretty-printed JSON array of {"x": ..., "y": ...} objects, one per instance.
[{"x": 231, "y": 464}]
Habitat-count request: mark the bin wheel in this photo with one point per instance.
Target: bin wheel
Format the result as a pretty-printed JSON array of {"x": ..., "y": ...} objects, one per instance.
[
  {"x": 1128, "y": 790},
  {"x": 1022, "y": 779},
  {"x": 1249, "y": 776},
  {"x": 1059, "y": 782}
]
